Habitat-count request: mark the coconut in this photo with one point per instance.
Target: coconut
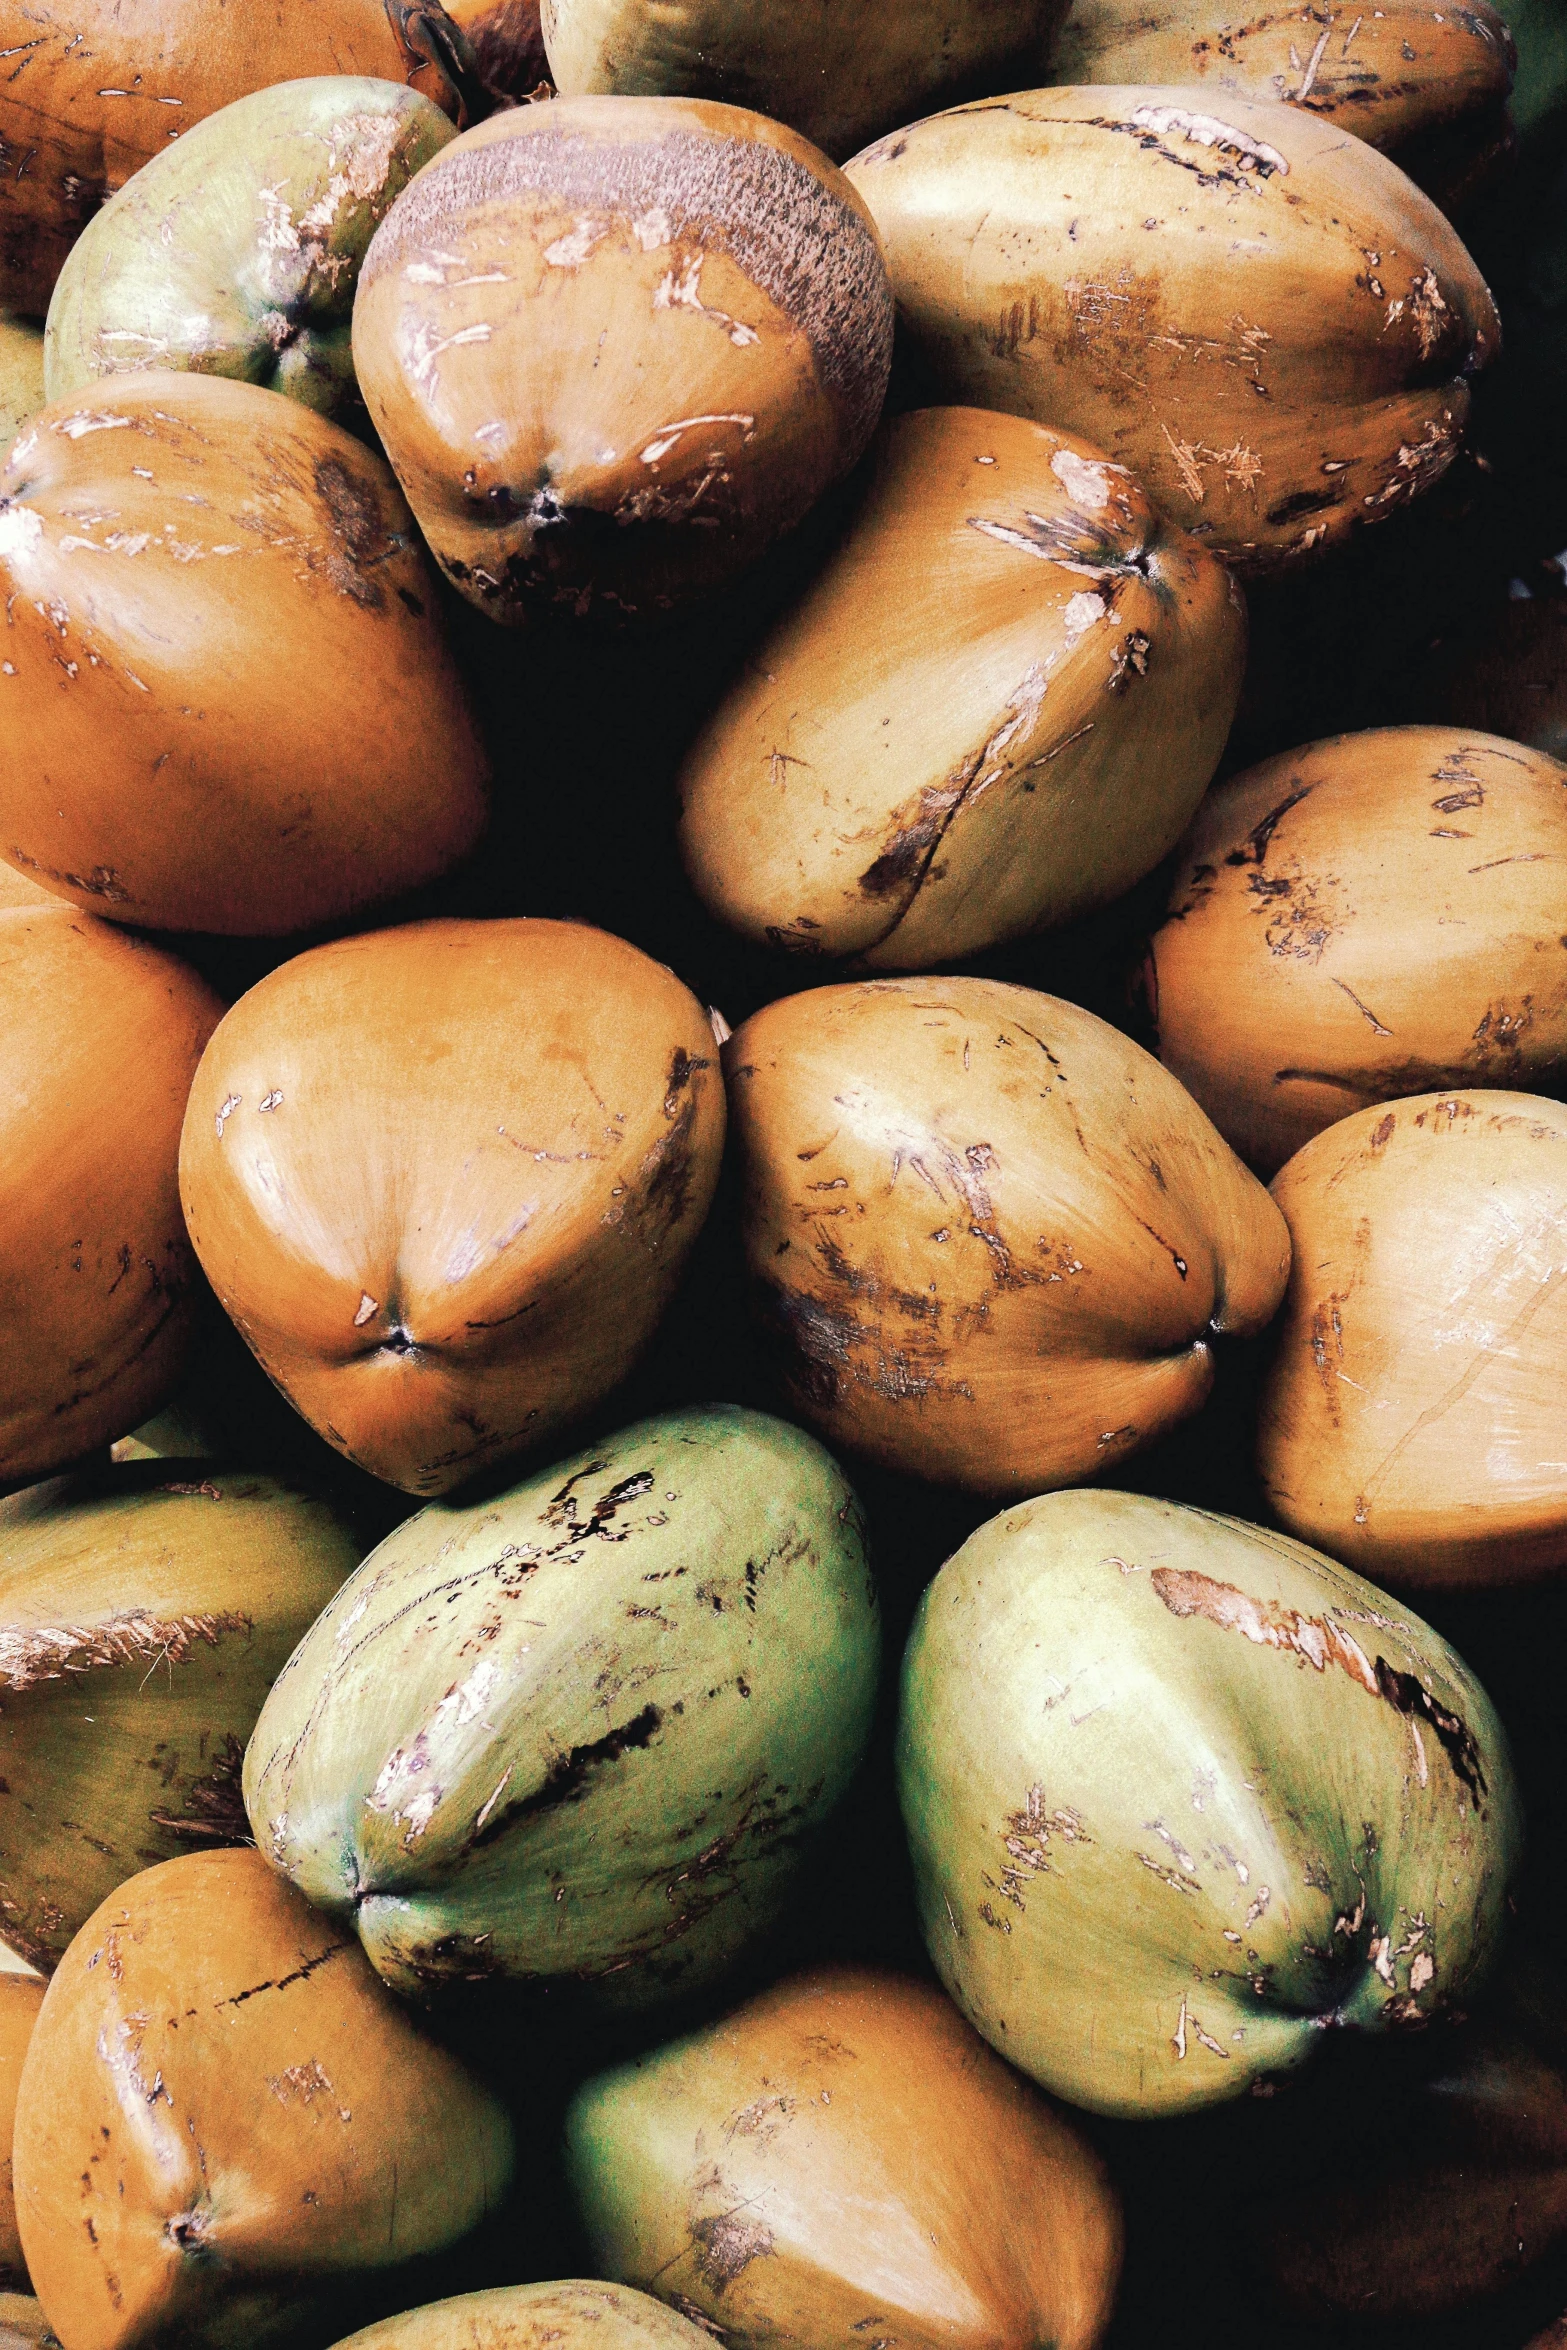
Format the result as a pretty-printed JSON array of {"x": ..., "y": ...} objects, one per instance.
[
  {"x": 224, "y": 661},
  {"x": 445, "y": 1178},
  {"x": 103, "y": 1034},
  {"x": 1404, "y": 76},
  {"x": 839, "y": 73},
  {"x": 612, "y": 1781},
  {"x": 992, "y": 1238},
  {"x": 237, "y": 251},
  {"x": 21, "y": 375},
  {"x": 616, "y": 347},
  {"x": 97, "y": 95},
  {"x": 1411, "y": 1420},
  {"x": 578, "y": 2314},
  {"x": 271, "y": 2124},
  {"x": 847, "y": 2143},
  {"x": 996, "y": 707},
  {"x": 1264, "y": 319},
  {"x": 145, "y": 1612},
  {"x": 1180, "y": 1793},
  {"x": 21, "y": 1996},
  {"x": 1367, "y": 917}
]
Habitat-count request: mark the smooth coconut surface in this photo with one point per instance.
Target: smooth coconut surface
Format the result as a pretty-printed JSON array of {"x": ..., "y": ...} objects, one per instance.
[
  {"x": 97, "y": 1282},
  {"x": 1411, "y": 1419},
  {"x": 580, "y": 2313},
  {"x": 582, "y": 1732},
  {"x": 846, "y": 2142},
  {"x": 227, "y": 701},
  {"x": 100, "y": 92},
  {"x": 1181, "y": 1793},
  {"x": 1258, "y": 314},
  {"x": 236, "y": 251},
  {"x": 271, "y": 2123},
  {"x": 996, "y": 707},
  {"x": 992, "y": 1239},
  {"x": 616, "y": 346},
  {"x": 145, "y": 1612},
  {"x": 838, "y": 72},
  {"x": 1370, "y": 916},
  {"x": 445, "y": 1177}
]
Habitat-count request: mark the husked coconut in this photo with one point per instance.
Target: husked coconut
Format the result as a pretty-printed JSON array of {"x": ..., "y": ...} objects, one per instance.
[{"x": 226, "y": 698}]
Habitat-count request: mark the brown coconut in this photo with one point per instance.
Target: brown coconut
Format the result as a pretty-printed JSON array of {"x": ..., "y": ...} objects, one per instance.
[
  {"x": 1375, "y": 915},
  {"x": 992, "y": 1238},
  {"x": 444, "y": 1178},
  {"x": 224, "y": 2115},
  {"x": 226, "y": 699},
  {"x": 616, "y": 346}
]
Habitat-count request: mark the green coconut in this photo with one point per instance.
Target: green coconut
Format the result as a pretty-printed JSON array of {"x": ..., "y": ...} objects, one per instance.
[
  {"x": 1182, "y": 1794},
  {"x": 21, "y": 374},
  {"x": 582, "y": 1731},
  {"x": 236, "y": 251},
  {"x": 145, "y": 1611}
]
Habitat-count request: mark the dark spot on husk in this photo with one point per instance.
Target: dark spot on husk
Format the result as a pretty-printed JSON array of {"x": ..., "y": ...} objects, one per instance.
[
  {"x": 728, "y": 2244},
  {"x": 567, "y": 1779},
  {"x": 1320, "y": 1641}
]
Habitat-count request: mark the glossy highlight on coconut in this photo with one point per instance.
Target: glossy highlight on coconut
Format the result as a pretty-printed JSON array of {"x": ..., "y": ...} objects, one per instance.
[
  {"x": 1411, "y": 1419},
  {"x": 1371, "y": 916},
  {"x": 224, "y": 659},
  {"x": 444, "y": 1178},
  {"x": 1019, "y": 734},
  {"x": 990, "y": 1238},
  {"x": 582, "y": 1733},
  {"x": 1180, "y": 1793},
  {"x": 846, "y": 2142},
  {"x": 1259, "y": 315},
  {"x": 616, "y": 347}
]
